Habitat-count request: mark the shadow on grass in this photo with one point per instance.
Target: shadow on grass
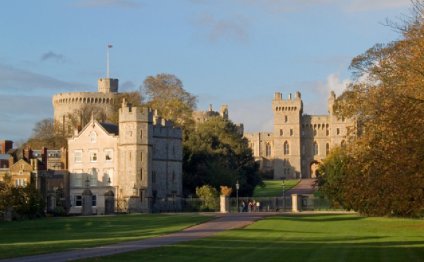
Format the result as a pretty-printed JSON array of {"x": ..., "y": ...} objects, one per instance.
[{"x": 317, "y": 218}]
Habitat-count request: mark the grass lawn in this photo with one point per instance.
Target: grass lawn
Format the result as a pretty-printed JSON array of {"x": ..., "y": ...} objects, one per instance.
[
  {"x": 301, "y": 238},
  {"x": 46, "y": 235},
  {"x": 274, "y": 188}
]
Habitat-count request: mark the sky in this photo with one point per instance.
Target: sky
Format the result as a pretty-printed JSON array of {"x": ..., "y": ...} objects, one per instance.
[{"x": 235, "y": 52}]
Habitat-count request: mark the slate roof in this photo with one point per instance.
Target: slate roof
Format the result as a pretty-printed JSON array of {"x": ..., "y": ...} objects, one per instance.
[{"x": 110, "y": 128}]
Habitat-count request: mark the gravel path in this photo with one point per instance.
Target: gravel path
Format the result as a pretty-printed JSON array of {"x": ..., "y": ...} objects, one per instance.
[{"x": 305, "y": 186}]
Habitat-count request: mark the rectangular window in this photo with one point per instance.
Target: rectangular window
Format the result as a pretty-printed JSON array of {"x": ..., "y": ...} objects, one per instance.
[
  {"x": 141, "y": 174},
  {"x": 338, "y": 131},
  {"x": 108, "y": 155},
  {"x": 93, "y": 200},
  {"x": 93, "y": 177},
  {"x": 78, "y": 201},
  {"x": 141, "y": 157},
  {"x": 76, "y": 178},
  {"x": 291, "y": 132},
  {"x": 108, "y": 175},
  {"x": 153, "y": 177},
  {"x": 93, "y": 156},
  {"x": 77, "y": 156}
]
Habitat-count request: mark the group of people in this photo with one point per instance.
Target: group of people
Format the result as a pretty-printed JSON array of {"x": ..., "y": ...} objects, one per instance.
[{"x": 250, "y": 206}]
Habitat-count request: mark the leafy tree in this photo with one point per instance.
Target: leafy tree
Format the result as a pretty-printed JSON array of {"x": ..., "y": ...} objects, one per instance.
[
  {"x": 331, "y": 176},
  {"x": 209, "y": 196},
  {"x": 216, "y": 154},
  {"x": 386, "y": 173},
  {"x": 134, "y": 98},
  {"x": 45, "y": 134},
  {"x": 167, "y": 95}
]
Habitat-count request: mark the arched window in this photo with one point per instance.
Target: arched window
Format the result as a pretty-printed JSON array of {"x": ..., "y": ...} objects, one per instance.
[
  {"x": 286, "y": 148},
  {"x": 267, "y": 149},
  {"x": 285, "y": 119},
  {"x": 327, "y": 149},
  {"x": 315, "y": 148},
  {"x": 281, "y": 132}
]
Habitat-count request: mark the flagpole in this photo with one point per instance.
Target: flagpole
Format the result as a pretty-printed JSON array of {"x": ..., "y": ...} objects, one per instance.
[{"x": 107, "y": 60}]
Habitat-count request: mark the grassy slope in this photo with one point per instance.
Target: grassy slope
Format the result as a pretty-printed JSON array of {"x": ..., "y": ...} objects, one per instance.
[
  {"x": 274, "y": 188},
  {"x": 301, "y": 238},
  {"x": 56, "y": 234}
]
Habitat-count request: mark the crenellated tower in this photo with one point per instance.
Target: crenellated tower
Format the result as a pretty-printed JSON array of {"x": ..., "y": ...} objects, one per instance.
[
  {"x": 134, "y": 146},
  {"x": 287, "y": 135}
]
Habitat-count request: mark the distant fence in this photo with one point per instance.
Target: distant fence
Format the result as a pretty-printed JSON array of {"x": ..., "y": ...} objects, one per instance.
[{"x": 244, "y": 204}]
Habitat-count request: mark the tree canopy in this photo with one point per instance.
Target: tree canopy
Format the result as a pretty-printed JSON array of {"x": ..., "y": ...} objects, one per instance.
[
  {"x": 216, "y": 154},
  {"x": 166, "y": 94},
  {"x": 385, "y": 171}
]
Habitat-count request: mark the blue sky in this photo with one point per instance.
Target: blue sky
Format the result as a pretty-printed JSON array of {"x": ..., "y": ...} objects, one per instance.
[{"x": 235, "y": 52}]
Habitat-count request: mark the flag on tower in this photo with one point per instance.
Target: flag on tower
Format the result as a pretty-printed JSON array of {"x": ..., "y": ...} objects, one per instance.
[{"x": 109, "y": 46}]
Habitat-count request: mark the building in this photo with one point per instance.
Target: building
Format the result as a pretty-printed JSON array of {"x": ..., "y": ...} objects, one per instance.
[
  {"x": 133, "y": 167},
  {"x": 299, "y": 142},
  {"x": 66, "y": 104},
  {"x": 46, "y": 171},
  {"x": 5, "y": 146},
  {"x": 203, "y": 116}
]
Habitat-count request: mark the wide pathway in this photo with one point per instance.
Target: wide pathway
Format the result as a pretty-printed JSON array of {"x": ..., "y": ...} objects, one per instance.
[
  {"x": 221, "y": 223},
  {"x": 305, "y": 186}
]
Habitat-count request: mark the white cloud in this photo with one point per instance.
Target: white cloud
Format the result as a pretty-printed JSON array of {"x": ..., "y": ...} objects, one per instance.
[{"x": 334, "y": 83}]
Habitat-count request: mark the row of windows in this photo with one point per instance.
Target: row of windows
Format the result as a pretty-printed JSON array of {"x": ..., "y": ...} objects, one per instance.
[
  {"x": 286, "y": 108},
  {"x": 86, "y": 100},
  {"x": 327, "y": 132},
  {"x": 91, "y": 178},
  {"x": 77, "y": 200},
  {"x": 94, "y": 155},
  {"x": 286, "y": 148}
]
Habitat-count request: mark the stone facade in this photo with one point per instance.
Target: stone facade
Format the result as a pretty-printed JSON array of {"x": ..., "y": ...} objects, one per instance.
[
  {"x": 67, "y": 103},
  {"x": 299, "y": 142},
  {"x": 203, "y": 116},
  {"x": 136, "y": 166}
]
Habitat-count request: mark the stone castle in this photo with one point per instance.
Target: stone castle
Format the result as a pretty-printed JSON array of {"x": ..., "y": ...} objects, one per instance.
[
  {"x": 67, "y": 103},
  {"x": 299, "y": 142},
  {"x": 133, "y": 167}
]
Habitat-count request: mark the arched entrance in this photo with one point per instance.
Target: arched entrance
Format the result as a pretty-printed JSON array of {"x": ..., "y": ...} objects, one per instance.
[
  {"x": 314, "y": 169},
  {"x": 109, "y": 202}
]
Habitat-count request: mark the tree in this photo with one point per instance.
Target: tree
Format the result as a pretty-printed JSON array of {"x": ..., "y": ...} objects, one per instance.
[
  {"x": 209, "y": 197},
  {"x": 167, "y": 95},
  {"x": 134, "y": 98},
  {"x": 45, "y": 134},
  {"x": 331, "y": 176},
  {"x": 386, "y": 173},
  {"x": 216, "y": 154}
]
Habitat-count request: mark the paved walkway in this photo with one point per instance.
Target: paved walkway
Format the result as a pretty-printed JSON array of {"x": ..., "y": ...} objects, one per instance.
[
  {"x": 223, "y": 222},
  {"x": 305, "y": 186}
]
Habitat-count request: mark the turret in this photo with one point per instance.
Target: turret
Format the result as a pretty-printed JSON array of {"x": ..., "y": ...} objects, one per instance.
[{"x": 107, "y": 85}]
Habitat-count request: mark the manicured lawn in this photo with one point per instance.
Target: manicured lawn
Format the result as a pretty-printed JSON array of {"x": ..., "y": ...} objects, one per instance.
[
  {"x": 274, "y": 188},
  {"x": 46, "y": 235},
  {"x": 301, "y": 238}
]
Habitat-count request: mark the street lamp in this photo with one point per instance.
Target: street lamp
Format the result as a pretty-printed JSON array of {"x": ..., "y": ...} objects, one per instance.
[
  {"x": 284, "y": 198},
  {"x": 237, "y": 189}
]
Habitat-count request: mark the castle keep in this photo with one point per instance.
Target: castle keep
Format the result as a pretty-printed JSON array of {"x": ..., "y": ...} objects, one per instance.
[
  {"x": 65, "y": 104},
  {"x": 299, "y": 142}
]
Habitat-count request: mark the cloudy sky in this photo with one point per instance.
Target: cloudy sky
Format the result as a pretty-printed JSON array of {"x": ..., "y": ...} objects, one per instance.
[{"x": 235, "y": 52}]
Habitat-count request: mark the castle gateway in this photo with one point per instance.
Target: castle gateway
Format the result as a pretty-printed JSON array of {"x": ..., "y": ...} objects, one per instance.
[{"x": 299, "y": 142}]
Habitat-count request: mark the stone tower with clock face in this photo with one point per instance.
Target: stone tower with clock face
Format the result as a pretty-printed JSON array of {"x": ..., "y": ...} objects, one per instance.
[{"x": 134, "y": 149}]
